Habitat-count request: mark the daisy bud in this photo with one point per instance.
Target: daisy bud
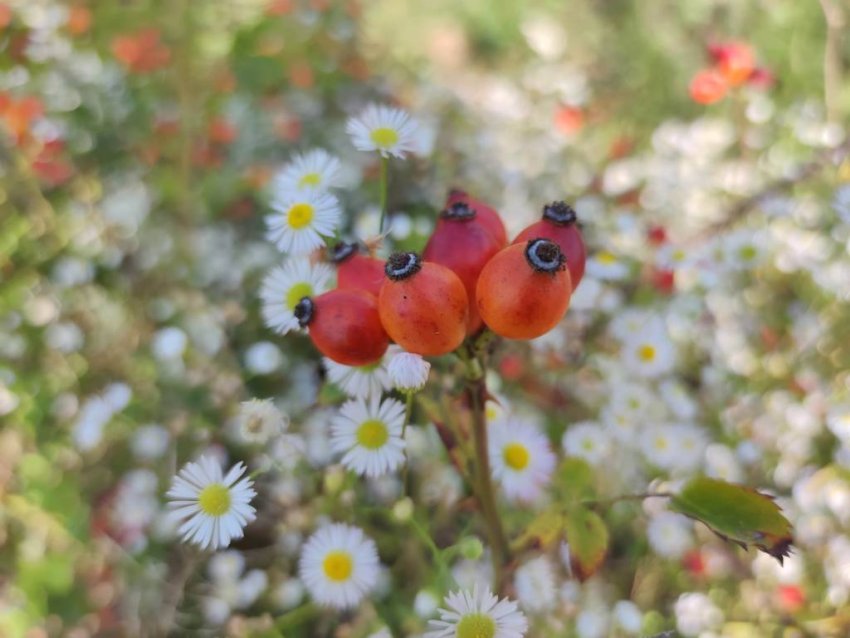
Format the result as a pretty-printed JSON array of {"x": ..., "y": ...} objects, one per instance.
[
  {"x": 408, "y": 372},
  {"x": 260, "y": 421},
  {"x": 334, "y": 479},
  {"x": 471, "y": 548},
  {"x": 403, "y": 510}
]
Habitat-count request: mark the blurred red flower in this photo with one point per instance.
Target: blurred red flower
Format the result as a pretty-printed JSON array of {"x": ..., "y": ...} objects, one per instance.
[
  {"x": 708, "y": 86},
  {"x": 141, "y": 52},
  {"x": 569, "y": 119}
]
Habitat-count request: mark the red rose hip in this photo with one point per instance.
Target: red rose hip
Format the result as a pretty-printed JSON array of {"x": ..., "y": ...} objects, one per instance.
[
  {"x": 463, "y": 245},
  {"x": 344, "y": 326},
  {"x": 356, "y": 271}
]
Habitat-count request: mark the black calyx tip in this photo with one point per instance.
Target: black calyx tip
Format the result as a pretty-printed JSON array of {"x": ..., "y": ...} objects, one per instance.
[
  {"x": 402, "y": 265},
  {"x": 459, "y": 211},
  {"x": 544, "y": 256},
  {"x": 304, "y": 311},
  {"x": 560, "y": 213},
  {"x": 342, "y": 251}
]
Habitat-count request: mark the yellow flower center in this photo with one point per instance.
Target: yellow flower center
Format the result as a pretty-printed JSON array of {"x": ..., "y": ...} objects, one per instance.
[
  {"x": 254, "y": 425},
  {"x": 678, "y": 255},
  {"x": 606, "y": 258},
  {"x": 660, "y": 443},
  {"x": 747, "y": 253},
  {"x": 338, "y": 566},
  {"x": 646, "y": 353},
  {"x": 297, "y": 292},
  {"x": 516, "y": 456},
  {"x": 372, "y": 434},
  {"x": 214, "y": 500},
  {"x": 476, "y": 626},
  {"x": 587, "y": 445},
  {"x": 310, "y": 179},
  {"x": 300, "y": 215},
  {"x": 384, "y": 137},
  {"x": 370, "y": 367}
]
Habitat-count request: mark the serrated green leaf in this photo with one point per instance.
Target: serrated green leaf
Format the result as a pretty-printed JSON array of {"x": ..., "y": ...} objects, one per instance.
[
  {"x": 588, "y": 540},
  {"x": 737, "y": 513}
]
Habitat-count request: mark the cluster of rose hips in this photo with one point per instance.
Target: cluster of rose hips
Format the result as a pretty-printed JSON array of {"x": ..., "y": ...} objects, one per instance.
[{"x": 467, "y": 277}]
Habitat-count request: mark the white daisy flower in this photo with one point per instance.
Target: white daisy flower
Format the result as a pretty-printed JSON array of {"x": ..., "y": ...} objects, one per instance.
[
  {"x": 628, "y": 322},
  {"x": 743, "y": 249},
  {"x": 536, "y": 585},
  {"x": 674, "y": 446},
  {"x": 677, "y": 398},
  {"x": 650, "y": 352},
  {"x": 259, "y": 421},
  {"x": 607, "y": 266},
  {"x": 302, "y": 217},
  {"x": 361, "y": 381},
  {"x": 496, "y": 408},
  {"x": 284, "y": 286},
  {"x": 672, "y": 257},
  {"x": 339, "y": 565},
  {"x": 521, "y": 459},
  {"x": 669, "y": 534},
  {"x": 586, "y": 440},
  {"x": 214, "y": 508},
  {"x": 316, "y": 169},
  {"x": 385, "y": 129},
  {"x": 408, "y": 372},
  {"x": 478, "y": 614},
  {"x": 369, "y": 435}
]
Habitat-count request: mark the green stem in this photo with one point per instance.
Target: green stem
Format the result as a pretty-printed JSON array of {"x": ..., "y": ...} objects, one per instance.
[
  {"x": 408, "y": 412},
  {"x": 295, "y": 617},
  {"x": 384, "y": 186},
  {"x": 477, "y": 389}
]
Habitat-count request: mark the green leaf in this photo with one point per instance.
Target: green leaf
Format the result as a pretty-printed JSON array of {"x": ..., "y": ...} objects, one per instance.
[
  {"x": 574, "y": 481},
  {"x": 736, "y": 513},
  {"x": 588, "y": 540},
  {"x": 543, "y": 531}
]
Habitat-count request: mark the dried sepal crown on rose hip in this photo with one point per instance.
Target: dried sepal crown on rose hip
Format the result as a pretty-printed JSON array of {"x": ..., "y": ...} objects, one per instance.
[
  {"x": 559, "y": 224},
  {"x": 344, "y": 326},
  {"x": 423, "y": 306}
]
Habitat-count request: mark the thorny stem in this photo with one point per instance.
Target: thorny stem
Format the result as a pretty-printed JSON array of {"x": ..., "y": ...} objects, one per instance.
[
  {"x": 384, "y": 186},
  {"x": 477, "y": 392}
]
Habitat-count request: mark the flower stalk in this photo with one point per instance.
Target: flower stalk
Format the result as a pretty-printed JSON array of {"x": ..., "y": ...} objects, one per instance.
[
  {"x": 483, "y": 480},
  {"x": 383, "y": 194}
]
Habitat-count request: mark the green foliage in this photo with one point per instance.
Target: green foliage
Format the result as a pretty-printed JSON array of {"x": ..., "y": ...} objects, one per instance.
[{"x": 736, "y": 513}]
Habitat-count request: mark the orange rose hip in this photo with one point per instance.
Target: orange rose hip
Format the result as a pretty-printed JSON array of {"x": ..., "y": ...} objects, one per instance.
[
  {"x": 423, "y": 306},
  {"x": 344, "y": 326},
  {"x": 524, "y": 291}
]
